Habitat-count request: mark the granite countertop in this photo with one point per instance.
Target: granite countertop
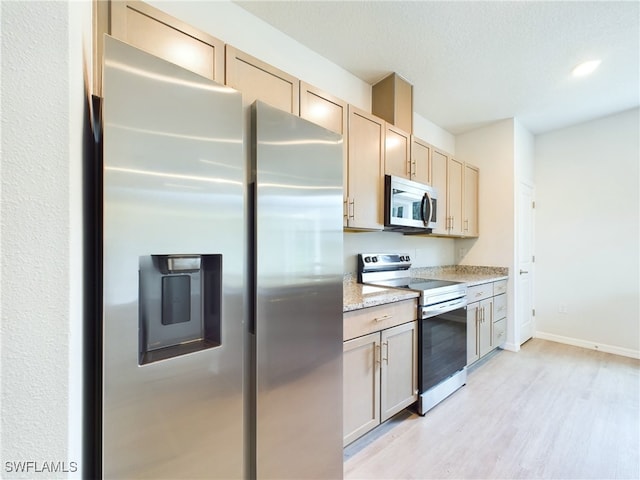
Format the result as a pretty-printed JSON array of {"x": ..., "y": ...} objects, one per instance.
[
  {"x": 357, "y": 296},
  {"x": 469, "y": 274}
]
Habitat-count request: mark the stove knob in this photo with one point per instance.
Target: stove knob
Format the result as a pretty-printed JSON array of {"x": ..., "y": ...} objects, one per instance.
[
  {"x": 407, "y": 258},
  {"x": 402, "y": 258},
  {"x": 374, "y": 259}
]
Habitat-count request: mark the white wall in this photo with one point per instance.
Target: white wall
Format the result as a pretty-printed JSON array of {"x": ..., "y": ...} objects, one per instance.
[
  {"x": 524, "y": 153},
  {"x": 41, "y": 235},
  {"x": 492, "y": 149},
  {"x": 587, "y": 234},
  {"x": 223, "y": 19}
]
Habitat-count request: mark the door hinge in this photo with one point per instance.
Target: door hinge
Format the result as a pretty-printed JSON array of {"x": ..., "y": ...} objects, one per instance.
[
  {"x": 533, "y": 312},
  {"x": 533, "y": 204},
  {"x": 533, "y": 259}
]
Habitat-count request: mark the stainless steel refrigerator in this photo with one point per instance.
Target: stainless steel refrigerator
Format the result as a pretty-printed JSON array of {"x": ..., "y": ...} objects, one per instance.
[
  {"x": 221, "y": 282},
  {"x": 297, "y": 260}
]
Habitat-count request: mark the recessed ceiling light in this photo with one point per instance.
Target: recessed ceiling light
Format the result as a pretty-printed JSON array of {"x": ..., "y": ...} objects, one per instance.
[{"x": 585, "y": 68}]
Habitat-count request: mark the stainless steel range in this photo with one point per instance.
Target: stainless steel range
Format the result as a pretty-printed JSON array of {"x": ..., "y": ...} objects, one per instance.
[{"x": 442, "y": 323}]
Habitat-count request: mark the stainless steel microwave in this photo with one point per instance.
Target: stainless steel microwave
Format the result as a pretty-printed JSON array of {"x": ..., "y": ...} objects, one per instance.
[{"x": 409, "y": 206}]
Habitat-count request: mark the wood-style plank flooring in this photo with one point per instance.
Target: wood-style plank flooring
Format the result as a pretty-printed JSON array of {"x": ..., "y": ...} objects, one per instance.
[{"x": 550, "y": 411}]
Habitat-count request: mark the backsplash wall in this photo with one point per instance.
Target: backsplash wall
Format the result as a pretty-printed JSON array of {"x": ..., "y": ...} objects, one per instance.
[{"x": 425, "y": 251}]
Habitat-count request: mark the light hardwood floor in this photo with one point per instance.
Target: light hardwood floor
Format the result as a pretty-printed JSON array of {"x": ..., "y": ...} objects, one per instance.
[{"x": 550, "y": 411}]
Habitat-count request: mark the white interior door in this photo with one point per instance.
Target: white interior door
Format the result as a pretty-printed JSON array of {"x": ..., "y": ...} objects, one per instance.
[{"x": 526, "y": 259}]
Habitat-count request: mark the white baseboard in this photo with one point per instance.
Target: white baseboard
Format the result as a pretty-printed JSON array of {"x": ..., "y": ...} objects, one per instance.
[
  {"x": 512, "y": 347},
  {"x": 576, "y": 342}
]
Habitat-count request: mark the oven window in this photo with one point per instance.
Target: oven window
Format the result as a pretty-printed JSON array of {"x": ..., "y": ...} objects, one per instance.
[{"x": 443, "y": 342}]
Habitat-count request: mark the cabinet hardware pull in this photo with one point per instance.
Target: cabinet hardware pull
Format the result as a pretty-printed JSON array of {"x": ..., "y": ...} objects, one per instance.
[
  {"x": 377, "y": 355},
  {"x": 523, "y": 271},
  {"x": 352, "y": 209},
  {"x": 386, "y": 359},
  {"x": 466, "y": 225},
  {"x": 382, "y": 318}
]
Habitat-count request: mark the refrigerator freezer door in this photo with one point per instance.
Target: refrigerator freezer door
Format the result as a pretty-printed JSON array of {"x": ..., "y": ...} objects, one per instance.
[
  {"x": 174, "y": 176},
  {"x": 298, "y": 311}
]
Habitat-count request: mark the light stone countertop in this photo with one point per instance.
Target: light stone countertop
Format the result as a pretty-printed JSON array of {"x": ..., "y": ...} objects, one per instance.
[{"x": 357, "y": 296}]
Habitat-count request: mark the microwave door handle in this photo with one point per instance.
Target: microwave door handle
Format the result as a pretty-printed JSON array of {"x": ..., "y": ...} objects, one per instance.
[{"x": 426, "y": 202}]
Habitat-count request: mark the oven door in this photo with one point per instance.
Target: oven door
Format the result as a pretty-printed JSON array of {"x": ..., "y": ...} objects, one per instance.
[
  {"x": 443, "y": 343},
  {"x": 409, "y": 206}
]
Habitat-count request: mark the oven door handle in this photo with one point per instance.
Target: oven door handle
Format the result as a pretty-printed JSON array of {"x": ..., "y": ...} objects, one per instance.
[{"x": 444, "y": 307}]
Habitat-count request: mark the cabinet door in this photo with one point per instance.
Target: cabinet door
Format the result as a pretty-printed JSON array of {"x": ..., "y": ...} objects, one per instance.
[
  {"x": 471, "y": 182},
  {"x": 399, "y": 372},
  {"x": 439, "y": 162},
  {"x": 329, "y": 112},
  {"x": 420, "y": 161},
  {"x": 499, "y": 332},
  {"x": 397, "y": 147},
  {"x": 323, "y": 109},
  {"x": 154, "y": 31},
  {"x": 258, "y": 80},
  {"x": 499, "y": 307},
  {"x": 361, "y": 386},
  {"x": 365, "y": 159},
  {"x": 455, "y": 172},
  {"x": 485, "y": 328},
  {"x": 473, "y": 321}
]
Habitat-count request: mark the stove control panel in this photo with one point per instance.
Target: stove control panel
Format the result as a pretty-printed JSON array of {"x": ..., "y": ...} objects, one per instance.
[{"x": 372, "y": 262}]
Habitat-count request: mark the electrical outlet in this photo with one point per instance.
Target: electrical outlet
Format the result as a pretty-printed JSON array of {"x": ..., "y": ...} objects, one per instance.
[{"x": 562, "y": 308}]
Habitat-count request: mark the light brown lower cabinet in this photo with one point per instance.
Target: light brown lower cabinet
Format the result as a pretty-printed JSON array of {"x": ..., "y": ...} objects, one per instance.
[
  {"x": 361, "y": 386},
  {"x": 398, "y": 369},
  {"x": 486, "y": 319},
  {"x": 379, "y": 376}
]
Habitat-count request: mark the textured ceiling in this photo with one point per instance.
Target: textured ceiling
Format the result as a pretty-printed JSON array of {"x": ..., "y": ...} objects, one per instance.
[{"x": 472, "y": 63}]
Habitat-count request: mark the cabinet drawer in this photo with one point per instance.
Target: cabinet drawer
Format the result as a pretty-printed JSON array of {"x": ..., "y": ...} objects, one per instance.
[
  {"x": 479, "y": 292},
  {"x": 500, "y": 307},
  {"x": 499, "y": 287},
  {"x": 499, "y": 332},
  {"x": 373, "y": 319}
]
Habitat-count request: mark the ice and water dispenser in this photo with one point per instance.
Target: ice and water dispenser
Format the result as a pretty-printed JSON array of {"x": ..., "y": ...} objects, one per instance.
[{"x": 180, "y": 305}]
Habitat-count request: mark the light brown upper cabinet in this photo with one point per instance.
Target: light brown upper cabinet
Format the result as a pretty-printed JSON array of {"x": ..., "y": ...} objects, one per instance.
[
  {"x": 397, "y": 152},
  {"x": 365, "y": 168},
  {"x": 420, "y": 161},
  {"x": 455, "y": 175},
  {"x": 323, "y": 109},
  {"x": 439, "y": 161},
  {"x": 392, "y": 100},
  {"x": 258, "y": 80},
  {"x": 154, "y": 31},
  {"x": 471, "y": 188},
  {"x": 327, "y": 111},
  {"x": 447, "y": 177}
]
